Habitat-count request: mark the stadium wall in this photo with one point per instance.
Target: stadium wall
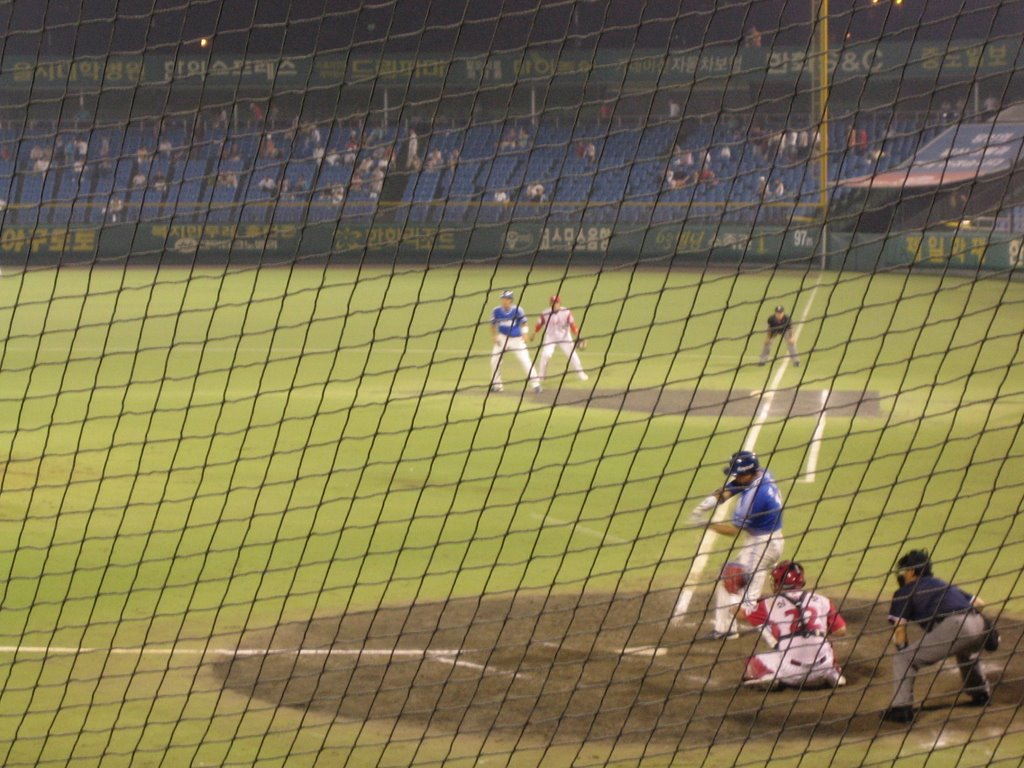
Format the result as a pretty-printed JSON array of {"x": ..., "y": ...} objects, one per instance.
[{"x": 342, "y": 243}]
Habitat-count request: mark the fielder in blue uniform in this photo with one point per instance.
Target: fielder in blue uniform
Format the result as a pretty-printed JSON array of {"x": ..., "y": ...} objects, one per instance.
[
  {"x": 509, "y": 328},
  {"x": 758, "y": 517},
  {"x": 952, "y": 626}
]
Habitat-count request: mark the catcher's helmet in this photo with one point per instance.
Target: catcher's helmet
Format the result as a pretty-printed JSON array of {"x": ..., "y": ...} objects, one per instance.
[
  {"x": 916, "y": 560},
  {"x": 788, "y": 575},
  {"x": 742, "y": 462}
]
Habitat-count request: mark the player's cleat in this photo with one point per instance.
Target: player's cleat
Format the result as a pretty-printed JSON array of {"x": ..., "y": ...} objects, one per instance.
[
  {"x": 899, "y": 714},
  {"x": 762, "y": 362},
  {"x": 496, "y": 388},
  {"x": 836, "y": 680},
  {"x": 716, "y": 635},
  {"x": 796, "y": 363},
  {"x": 979, "y": 700},
  {"x": 584, "y": 377},
  {"x": 537, "y": 389}
]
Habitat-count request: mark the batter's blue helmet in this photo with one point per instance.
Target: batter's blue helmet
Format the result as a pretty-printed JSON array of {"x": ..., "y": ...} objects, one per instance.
[{"x": 741, "y": 463}]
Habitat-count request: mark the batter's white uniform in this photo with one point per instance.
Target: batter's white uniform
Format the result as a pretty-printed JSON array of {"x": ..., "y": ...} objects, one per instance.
[
  {"x": 799, "y": 622},
  {"x": 558, "y": 325}
]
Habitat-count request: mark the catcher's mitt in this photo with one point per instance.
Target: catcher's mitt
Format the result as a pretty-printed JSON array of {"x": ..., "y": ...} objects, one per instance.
[{"x": 734, "y": 578}]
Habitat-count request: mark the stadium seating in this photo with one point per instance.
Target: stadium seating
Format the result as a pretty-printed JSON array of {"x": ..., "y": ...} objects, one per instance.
[{"x": 223, "y": 173}]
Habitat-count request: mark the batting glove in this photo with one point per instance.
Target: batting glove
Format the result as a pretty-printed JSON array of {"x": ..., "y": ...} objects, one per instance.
[{"x": 703, "y": 510}]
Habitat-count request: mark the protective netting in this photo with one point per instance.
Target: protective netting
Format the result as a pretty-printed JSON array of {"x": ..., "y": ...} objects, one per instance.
[{"x": 369, "y": 371}]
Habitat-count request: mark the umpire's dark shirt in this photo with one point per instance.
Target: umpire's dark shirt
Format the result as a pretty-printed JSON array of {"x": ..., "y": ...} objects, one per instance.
[
  {"x": 777, "y": 324},
  {"x": 927, "y": 599}
]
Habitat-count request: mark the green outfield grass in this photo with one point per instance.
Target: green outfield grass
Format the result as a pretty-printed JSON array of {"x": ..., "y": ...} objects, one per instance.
[{"x": 190, "y": 454}]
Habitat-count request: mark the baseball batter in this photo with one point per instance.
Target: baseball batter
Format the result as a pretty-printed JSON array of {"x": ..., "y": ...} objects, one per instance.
[
  {"x": 779, "y": 325},
  {"x": 799, "y": 622},
  {"x": 509, "y": 327},
  {"x": 559, "y": 330},
  {"x": 758, "y": 517}
]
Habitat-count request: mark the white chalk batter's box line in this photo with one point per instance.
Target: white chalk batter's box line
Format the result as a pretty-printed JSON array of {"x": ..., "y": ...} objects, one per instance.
[{"x": 451, "y": 656}]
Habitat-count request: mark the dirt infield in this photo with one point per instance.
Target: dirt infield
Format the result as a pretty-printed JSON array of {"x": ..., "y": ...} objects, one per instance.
[
  {"x": 544, "y": 670},
  {"x": 715, "y": 402}
]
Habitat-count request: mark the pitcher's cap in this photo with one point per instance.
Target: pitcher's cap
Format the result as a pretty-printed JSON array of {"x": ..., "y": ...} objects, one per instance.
[
  {"x": 780, "y": 308},
  {"x": 507, "y": 295}
]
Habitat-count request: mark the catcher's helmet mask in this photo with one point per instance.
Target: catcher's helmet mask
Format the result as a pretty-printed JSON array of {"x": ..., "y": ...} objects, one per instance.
[{"x": 788, "y": 575}]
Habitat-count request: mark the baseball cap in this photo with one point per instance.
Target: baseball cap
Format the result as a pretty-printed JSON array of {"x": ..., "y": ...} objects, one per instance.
[
  {"x": 780, "y": 308},
  {"x": 507, "y": 295},
  {"x": 556, "y": 298}
]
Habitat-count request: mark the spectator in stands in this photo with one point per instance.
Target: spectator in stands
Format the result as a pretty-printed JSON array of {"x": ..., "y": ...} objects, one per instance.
[
  {"x": 268, "y": 149},
  {"x": 535, "y": 193},
  {"x": 376, "y": 183},
  {"x": 351, "y": 148},
  {"x": 522, "y": 139},
  {"x": 106, "y": 161},
  {"x": 508, "y": 140},
  {"x": 453, "y": 158},
  {"x": 753, "y": 37},
  {"x": 318, "y": 153},
  {"x": 778, "y": 189},
  {"x": 725, "y": 154},
  {"x": 138, "y": 179},
  {"x": 227, "y": 179},
  {"x": 3, "y": 205},
  {"x": 160, "y": 182},
  {"x": 267, "y": 184},
  {"x": 42, "y": 162},
  {"x": 707, "y": 176},
  {"x": 114, "y": 210},
  {"x": 412, "y": 152},
  {"x": 434, "y": 160},
  {"x": 501, "y": 196},
  {"x": 762, "y": 187},
  {"x": 803, "y": 144},
  {"x": 337, "y": 194},
  {"x": 590, "y": 152}
]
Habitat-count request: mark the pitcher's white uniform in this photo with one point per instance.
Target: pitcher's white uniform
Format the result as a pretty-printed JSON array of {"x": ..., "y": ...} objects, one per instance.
[
  {"x": 799, "y": 622},
  {"x": 559, "y": 331}
]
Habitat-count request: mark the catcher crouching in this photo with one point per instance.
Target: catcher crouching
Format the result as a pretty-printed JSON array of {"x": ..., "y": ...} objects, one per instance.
[{"x": 799, "y": 622}]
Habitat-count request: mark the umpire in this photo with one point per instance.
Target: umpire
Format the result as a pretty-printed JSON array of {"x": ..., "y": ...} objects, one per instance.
[
  {"x": 779, "y": 324},
  {"x": 952, "y": 626}
]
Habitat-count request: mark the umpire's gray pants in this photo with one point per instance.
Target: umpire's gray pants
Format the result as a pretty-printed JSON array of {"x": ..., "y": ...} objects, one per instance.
[{"x": 959, "y": 634}]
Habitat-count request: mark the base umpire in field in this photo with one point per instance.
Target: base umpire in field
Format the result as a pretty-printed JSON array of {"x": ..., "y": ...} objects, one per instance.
[
  {"x": 779, "y": 324},
  {"x": 952, "y": 624}
]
